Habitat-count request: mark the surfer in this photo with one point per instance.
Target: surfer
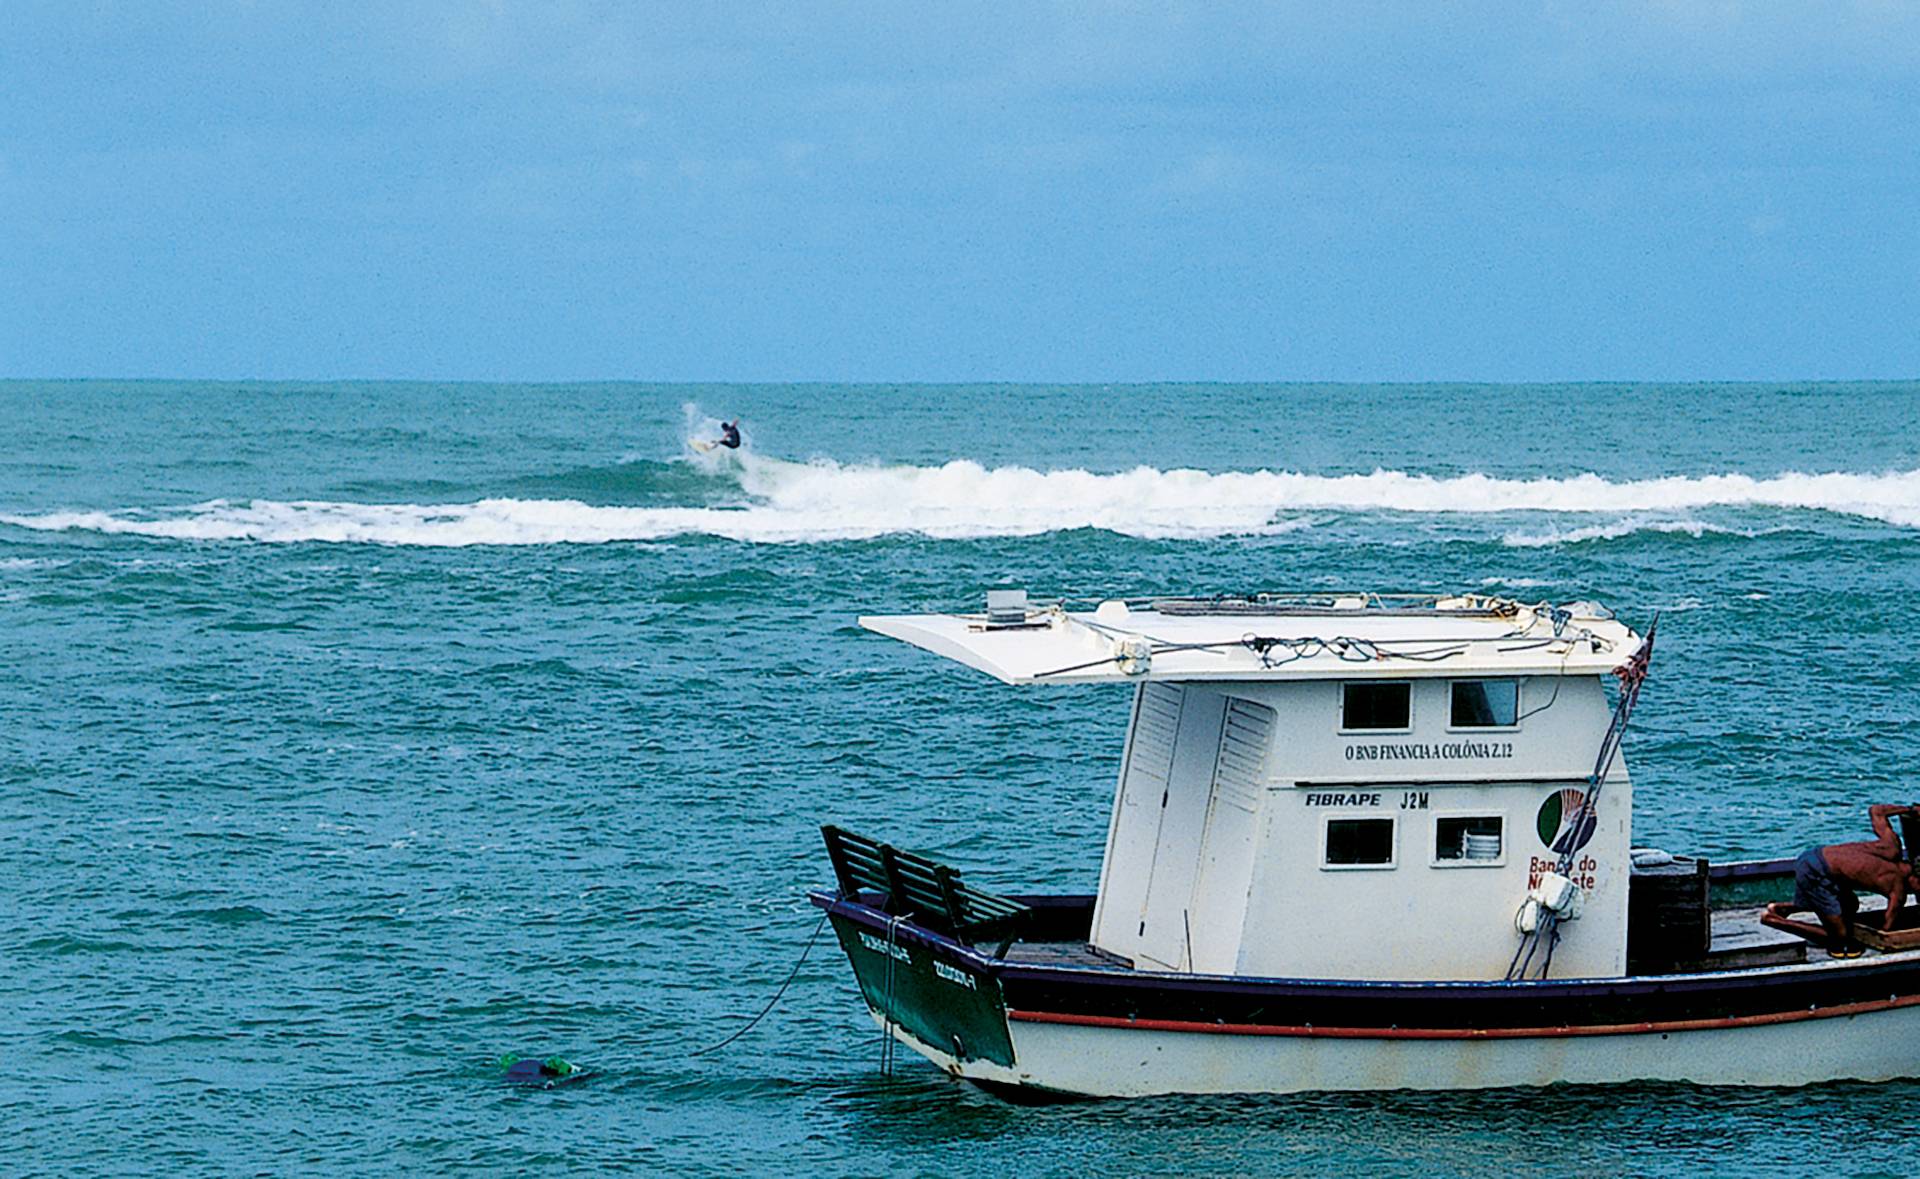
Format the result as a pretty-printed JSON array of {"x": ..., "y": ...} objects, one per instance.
[
  {"x": 1824, "y": 880},
  {"x": 729, "y": 438}
]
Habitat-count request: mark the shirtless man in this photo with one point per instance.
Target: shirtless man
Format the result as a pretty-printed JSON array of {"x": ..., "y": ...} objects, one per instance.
[{"x": 1824, "y": 880}]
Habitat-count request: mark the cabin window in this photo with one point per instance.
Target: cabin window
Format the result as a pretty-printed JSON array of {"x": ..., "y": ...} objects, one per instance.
[
  {"x": 1461, "y": 841},
  {"x": 1486, "y": 704},
  {"x": 1359, "y": 843},
  {"x": 1376, "y": 706}
]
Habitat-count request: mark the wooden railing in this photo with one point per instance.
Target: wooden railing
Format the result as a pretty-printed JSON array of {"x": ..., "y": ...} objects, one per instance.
[{"x": 928, "y": 893}]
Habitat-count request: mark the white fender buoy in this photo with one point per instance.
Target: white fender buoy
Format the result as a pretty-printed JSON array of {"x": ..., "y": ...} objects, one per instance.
[{"x": 1133, "y": 655}]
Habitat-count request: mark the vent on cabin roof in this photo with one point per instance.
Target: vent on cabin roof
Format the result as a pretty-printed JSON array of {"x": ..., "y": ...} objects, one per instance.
[{"x": 1006, "y": 607}]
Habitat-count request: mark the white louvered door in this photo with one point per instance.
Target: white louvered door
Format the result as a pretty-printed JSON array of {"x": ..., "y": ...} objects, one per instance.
[
  {"x": 1166, "y": 926},
  {"x": 1226, "y": 867},
  {"x": 1143, "y": 790},
  {"x": 1238, "y": 773}
]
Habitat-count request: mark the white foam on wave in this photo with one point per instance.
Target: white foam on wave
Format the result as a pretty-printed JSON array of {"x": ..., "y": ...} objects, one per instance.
[
  {"x": 1613, "y": 531},
  {"x": 824, "y": 500}
]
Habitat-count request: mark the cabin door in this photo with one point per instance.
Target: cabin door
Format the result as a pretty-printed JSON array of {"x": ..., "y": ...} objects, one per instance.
[
  {"x": 1166, "y": 919},
  {"x": 1137, "y": 805},
  {"x": 1231, "y": 833}
]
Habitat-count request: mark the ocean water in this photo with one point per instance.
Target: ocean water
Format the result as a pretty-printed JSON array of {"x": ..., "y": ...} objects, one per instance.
[{"x": 357, "y": 735}]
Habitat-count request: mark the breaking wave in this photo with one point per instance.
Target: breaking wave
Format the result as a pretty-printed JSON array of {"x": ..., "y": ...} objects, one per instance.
[
  {"x": 762, "y": 499},
  {"x": 1617, "y": 529}
]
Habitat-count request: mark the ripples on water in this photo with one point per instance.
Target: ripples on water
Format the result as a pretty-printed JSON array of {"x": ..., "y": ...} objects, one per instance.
[{"x": 303, "y": 836}]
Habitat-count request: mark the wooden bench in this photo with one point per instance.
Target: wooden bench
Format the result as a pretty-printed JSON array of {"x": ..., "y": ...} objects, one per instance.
[{"x": 929, "y": 893}]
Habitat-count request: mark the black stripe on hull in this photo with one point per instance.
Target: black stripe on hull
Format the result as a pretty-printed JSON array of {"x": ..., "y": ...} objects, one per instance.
[{"x": 1066, "y": 991}]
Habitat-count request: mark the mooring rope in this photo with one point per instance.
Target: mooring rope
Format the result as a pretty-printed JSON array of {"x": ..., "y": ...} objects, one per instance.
[
  {"x": 791, "y": 975},
  {"x": 1632, "y": 673},
  {"x": 887, "y": 1040}
]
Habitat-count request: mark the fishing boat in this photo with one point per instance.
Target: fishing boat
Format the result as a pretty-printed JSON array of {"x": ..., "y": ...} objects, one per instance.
[{"x": 1357, "y": 842}]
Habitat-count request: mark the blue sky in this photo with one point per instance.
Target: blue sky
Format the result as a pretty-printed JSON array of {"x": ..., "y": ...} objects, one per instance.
[{"x": 528, "y": 191}]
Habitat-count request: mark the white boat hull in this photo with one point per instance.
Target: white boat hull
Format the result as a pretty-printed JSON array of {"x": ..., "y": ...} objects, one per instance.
[{"x": 1078, "y": 1060}]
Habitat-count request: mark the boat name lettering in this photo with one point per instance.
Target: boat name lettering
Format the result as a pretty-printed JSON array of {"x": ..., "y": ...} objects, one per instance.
[
  {"x": 892, "y": 950},
  {"x": 954, "y": 975},
  {"x": 1430, "y": 750},
  {"x": 1343, "y": 800}
]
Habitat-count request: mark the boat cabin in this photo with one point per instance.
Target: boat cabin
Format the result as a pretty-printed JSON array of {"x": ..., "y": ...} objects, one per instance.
[{"x": 1338, "y": 787}]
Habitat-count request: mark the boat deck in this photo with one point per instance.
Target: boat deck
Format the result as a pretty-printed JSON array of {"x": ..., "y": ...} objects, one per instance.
[
  {"x": 1078, "y": 955},
  {"x": 1739, "y": 942}
]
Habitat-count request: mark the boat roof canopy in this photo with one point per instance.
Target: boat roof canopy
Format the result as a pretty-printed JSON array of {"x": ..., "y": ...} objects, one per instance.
[{"x": 1271, "y": 637}]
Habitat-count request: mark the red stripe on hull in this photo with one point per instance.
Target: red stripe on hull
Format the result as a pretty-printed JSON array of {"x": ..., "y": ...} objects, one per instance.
[{"x": 1337, "y": 1033}]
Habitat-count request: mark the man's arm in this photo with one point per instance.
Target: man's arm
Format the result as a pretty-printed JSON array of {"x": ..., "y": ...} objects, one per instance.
[
  {"x": 1896, "y": 897},
  {"x": 1879, "y": 812}
]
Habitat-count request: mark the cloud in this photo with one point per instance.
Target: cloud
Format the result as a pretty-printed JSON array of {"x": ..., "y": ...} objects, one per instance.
[{"x": 1216, "y": 170}]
